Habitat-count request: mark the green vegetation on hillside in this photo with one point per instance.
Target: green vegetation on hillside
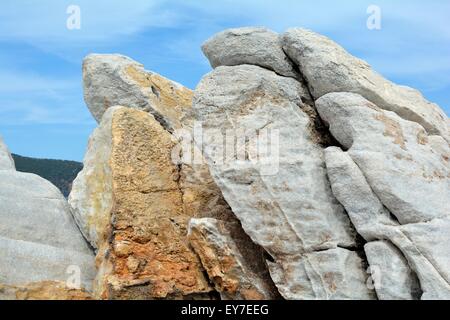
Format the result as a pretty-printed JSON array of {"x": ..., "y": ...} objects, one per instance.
[{"x": 59, "y": 172}]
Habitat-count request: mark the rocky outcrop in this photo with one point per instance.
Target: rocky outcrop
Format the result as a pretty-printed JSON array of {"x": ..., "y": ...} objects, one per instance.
[
  {"x": 298, "y": 173},
  {"x": 137, "y": 220},
  {"x": 6, "y": 161},
  {"x": 39, "y": 240},
  {"x": 111, "y": 80},
  {"x": 91, "y": 197},
  {"x": 194, "y": 194},
  {"x": 283, "y": 200},
  {"x": 393, "y": 182},
  {"x": 327, "y": 68},
  {"x": 388, "y": 166},
  {"x": 405, "y": 170},
  {"x": 258, "y": 46}
]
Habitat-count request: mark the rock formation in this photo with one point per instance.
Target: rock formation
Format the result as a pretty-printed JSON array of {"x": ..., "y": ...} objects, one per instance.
[
  {"x": 39, "y": 240},
  {"x": 327, "y": 68},
  {"x": 293, "y": 171},
  {"x": 386, "y": 163},
  {"x": 111, "y": 80},
  {"x": 258, "y": 46},
  {"x": 230, "y": 261},
  {"x": 134, "y": 198},
  {"x": 291, "y": 212},
  {"x": 138, "y": 224},
  {"x": 46, "y": 290},
  {"x": 394, "y": 184}
]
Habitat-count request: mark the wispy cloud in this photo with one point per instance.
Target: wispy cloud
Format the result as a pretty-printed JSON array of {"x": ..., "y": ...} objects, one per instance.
[
  {"x": 101, "y": 20},
  {"x": 29, "y": 98}
]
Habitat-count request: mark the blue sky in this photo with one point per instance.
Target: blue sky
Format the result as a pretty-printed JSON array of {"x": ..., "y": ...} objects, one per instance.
[{"x": 42, "y": 112}]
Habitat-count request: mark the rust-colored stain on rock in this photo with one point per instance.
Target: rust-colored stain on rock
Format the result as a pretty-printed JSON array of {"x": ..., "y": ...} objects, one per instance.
[{"x": 147, "y": 255}]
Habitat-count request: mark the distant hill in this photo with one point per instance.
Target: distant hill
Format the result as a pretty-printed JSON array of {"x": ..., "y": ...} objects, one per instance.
[{"x": 59, "y": 172}]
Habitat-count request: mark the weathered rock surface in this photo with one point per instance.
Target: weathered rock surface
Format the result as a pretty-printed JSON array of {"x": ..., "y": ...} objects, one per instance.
[
  {"x": 140, "y": 226},
  {"x": 39, "y": 240},
  {"x": 215, "y": 224},
  {"x": 408, "y": 174},
  {"x": 47, "y": 290},
  {"x": 6, "y": 161},
  {"x": 134, "y": 204},
  {"x": 307, "y": 150},
  {"x": 91, "y": 197},
  {"x": 255, "y": 46},
  {"x": 334, "y": 274},
  {"x": 284, "y": 202},
  {"x": 111, "y": 80},
  {"x": 421, "y": 243},
  {"x": 393, "y": 278},
  {"x": 327, "y": 68},
  {"x": 236, "y": 275},
  {"x": 93, "y": 191}
]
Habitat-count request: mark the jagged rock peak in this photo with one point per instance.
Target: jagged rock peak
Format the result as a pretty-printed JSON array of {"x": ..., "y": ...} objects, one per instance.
[
  {"x": 252, "y": 45},
  {"x": 327, "y": 67},
  {"x": 111, "y": 79}
]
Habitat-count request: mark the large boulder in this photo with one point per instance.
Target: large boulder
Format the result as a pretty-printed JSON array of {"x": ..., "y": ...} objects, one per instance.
[
  {"x": 327, "y": 68},
  {"x": 128, "y": 201},
  {"x": 256, "y": 46},
  {"x": 111, "y": 80},
  {"x": 281, "y": 196},
  {"x": 423, "y": 245},
  {"x": 6, "y": 161},
  {"x": 39, "y": 240},
  {"x": 407, "y": 169},
  {"x": 393, "y": 181}
]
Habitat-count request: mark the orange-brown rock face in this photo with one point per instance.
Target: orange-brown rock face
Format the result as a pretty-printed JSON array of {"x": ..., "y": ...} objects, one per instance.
[
  {"x": 47, "y": 290},
  {"x": 147, "y": 254},
  {"x": 236, "y": 275}
]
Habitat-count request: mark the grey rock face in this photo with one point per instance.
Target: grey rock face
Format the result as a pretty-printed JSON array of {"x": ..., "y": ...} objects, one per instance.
[
  {"x": 6, "y": 161},
  {"x": 327, "y": 68},
  {"x": 111, "y": 80},
  {"x": 422, "y": 243},
  {"x": 284, "y": 202},
  {"x": 254, "y": 46},
  {"x": 39, "y": 239},
  {"x": 91, "y": 197},
  {"x": 392, "y": 276},
  {"x": 335, "y": 274},
  {"x": 408, "y": 174}
]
